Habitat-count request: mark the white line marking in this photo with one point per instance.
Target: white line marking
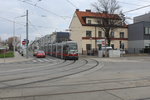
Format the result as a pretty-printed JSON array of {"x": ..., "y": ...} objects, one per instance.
[
  {"x": 40, "y": 60},
  {"x": 34, "y": 60}
]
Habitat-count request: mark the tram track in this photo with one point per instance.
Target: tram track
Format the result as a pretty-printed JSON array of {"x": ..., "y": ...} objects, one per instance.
[
  {"x": 52, "y": 78},
  {"x": 27, "y": 72},
  {"x": 90, "y": 82},
  {"x": 19, "y": 73},
  {"x": 5, "y": 73},
  {"x": 79, "y": 92}
]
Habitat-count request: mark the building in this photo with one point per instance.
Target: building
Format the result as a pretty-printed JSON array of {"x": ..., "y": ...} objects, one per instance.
[
  {"x": 43, "y": 42},
  {"x": 145, "y": 17},
  {"x": 139, "y": 34},
  {"x": 85, "y": 29},
  {"x": 59, "y": 37}
]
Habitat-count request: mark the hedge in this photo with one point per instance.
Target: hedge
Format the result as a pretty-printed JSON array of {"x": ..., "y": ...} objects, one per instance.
[{"x": 7, "y": 54}]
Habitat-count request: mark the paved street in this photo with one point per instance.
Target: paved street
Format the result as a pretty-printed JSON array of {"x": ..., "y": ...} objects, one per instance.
[{"x": 89, "y": 78}]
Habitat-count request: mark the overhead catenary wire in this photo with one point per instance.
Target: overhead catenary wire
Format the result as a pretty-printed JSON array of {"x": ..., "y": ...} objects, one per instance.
[
  {"x": 11, "y": 21},
  {"x": 35, "y": 26},
  {"x": 137, "y": 9},
  {"x": 144, "y": 1},
  {"x": 130, "y": 3},
  {"x": 72, "y": 4},
  {"x": 63, "y": 17},
  {"x": 32, "y": 25}
]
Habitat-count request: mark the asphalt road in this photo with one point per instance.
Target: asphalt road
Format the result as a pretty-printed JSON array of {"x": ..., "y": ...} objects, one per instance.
[{"x": 88, "y": 78}]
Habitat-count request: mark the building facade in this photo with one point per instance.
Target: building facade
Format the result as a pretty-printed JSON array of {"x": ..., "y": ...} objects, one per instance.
[
  {"x": 139, "y": 37},
  {"x": 85, "y": 29},
  {"x": 139, "y": 34},
  {"x": 145, "y": 17},
  {"x": 55, "y": 37}
]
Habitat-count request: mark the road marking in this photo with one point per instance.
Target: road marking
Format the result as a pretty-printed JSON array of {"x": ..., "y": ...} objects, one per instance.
[
  {"x": 40, "y": 60},
  {"x": 45, "y": 59},
  {"x": 1, "y": 72},
  {"x": 34, "y": 60}
]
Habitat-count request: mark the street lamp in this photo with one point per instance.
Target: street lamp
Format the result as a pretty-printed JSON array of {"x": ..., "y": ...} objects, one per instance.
[{"x": 14, "y": 41}]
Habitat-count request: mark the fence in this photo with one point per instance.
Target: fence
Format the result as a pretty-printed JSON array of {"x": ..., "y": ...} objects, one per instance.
[{"x": 137, "y": 50}]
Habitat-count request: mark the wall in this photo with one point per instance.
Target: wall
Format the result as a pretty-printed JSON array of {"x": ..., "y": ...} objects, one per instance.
[
  {"x": 145, "y": 17},
  {"x": 76, "y": 33}
]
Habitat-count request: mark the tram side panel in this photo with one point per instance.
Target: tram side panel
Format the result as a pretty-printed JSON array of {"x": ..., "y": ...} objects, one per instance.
[
  {"x": 59, "y": 50},
  {"x": 53, "y": 50}
]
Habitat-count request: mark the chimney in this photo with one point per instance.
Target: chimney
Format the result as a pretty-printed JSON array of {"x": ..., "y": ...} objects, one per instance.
[
  {"x": 77, "y": 9},
  {"x": 88, "y": 10}
]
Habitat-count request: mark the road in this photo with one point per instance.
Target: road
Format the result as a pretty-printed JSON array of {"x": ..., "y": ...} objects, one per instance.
[{"x": 89, "y": 78}]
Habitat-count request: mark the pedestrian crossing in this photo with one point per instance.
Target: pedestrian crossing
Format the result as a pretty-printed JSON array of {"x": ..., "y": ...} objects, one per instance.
[
  {"x": 36, "y": 61},
  {"x": 43, "y": 60}
]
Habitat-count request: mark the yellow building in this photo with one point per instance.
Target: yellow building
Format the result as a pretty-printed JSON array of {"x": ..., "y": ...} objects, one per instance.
[{"x": 85, "y": 29}]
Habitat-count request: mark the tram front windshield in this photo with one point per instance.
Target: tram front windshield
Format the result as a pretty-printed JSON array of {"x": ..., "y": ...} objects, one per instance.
[{"x": 72, "y": 47}]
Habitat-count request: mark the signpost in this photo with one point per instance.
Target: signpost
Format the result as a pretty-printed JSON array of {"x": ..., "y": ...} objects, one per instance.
[
  {"x": 101, "y": 41},
  {"x": 23, "y": 42}
]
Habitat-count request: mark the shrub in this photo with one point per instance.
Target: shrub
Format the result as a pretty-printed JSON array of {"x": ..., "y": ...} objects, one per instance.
[{"x": 7, "y": 54}]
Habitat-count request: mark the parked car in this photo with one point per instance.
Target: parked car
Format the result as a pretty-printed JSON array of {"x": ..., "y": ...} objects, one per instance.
[
  {"x": 35, "y": 52},
  {"x": 40, "y": 54}
]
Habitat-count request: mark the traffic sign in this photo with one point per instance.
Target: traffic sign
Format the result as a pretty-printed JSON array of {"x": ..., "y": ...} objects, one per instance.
[{"x": 23, "y": 42}]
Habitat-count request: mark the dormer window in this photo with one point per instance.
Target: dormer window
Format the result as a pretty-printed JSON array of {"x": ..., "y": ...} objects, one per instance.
[{"x": 88, "y": 21}]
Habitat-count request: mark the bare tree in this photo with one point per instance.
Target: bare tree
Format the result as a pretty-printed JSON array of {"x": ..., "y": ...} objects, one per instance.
[
  {"x": 110, "y": 19},
  {"x": 10, "y": 41}
]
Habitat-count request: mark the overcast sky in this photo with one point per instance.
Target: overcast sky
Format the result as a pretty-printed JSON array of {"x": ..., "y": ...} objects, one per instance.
[{"x": 55, "y": 15}]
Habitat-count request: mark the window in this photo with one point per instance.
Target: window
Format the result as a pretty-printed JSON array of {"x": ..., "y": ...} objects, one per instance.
[
  {"x": 99, "y": 33},
  {"x": 112, "y": 34},
  {"x": 147, "y": 30},
  {"x": 88, "y": 47},
  {"x": 112, "y": 45},
  {"x": 99, "y": 21},
  {"x": 89, "y": 22},
  {"x": 121, "y": 34},
  {"x": 88, "y": 33},
  {"x": 121, "y": 45}
]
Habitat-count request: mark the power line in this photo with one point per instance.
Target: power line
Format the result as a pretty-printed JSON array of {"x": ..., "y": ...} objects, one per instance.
[
  {"x": 63, "y": 17},
  {"x": 144, "y": 1},
  {"x": 72, "y": 4},
  {"x": 137, "y": 9},
  {"x": 129, "y": 3},
  {"x": 32, "y": 25},
  {"x": 35, "y": 26},
  {"x": 9, "y": 20}
]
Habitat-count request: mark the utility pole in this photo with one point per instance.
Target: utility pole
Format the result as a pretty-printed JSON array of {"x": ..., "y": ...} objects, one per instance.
[
  {"x": 27, "y": 34},
  {"x": 14, "y": 42}
]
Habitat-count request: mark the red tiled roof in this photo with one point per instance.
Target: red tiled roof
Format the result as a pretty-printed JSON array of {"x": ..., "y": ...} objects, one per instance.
[{"x": 82, "y": 14}]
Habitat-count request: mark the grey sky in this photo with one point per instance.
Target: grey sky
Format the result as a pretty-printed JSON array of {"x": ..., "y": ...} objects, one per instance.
[{"x": 57, "y": 18}]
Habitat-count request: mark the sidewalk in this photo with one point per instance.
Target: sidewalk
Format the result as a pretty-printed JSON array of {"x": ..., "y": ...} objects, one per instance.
[{"x": 17, "y": 58}]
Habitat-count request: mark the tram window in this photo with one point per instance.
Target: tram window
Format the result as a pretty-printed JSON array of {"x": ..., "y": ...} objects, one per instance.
[{"x": 73, "y": 47}]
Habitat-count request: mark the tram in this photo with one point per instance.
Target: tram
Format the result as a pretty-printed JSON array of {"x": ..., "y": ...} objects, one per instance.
[{"x": 65, "y": 50}]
